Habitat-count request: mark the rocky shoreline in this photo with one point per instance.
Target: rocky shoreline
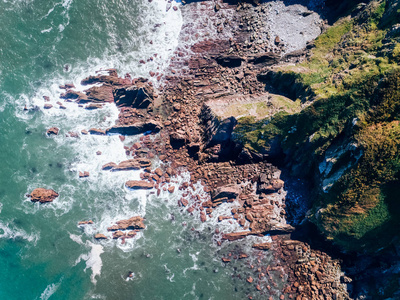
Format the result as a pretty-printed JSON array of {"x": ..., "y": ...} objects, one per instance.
[{"x": 223, "y": 49}]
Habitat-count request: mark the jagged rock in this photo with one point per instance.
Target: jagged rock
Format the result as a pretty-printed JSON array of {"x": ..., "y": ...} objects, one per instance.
[
  {"x": 267, "y": 58},
  {"x": 97, "y": 131},
  {"x": 109, "y": 166},
  {"x": 100, "y": 236},
  {"x": 84, "y": 174},
  {"x": 227, "y": 191},
  {"x": 139, "y": 95},
  {"x": 52, "y": 130},
  {"x": 139, "y": 185},
  {"x": 235, "y": 235},
  {"x": 279, "y": 228},
  {"x": 93, "y": 106},
  {"x": 43, "y": 195},
  {"x": 231, "y": 61},
  {"x": 158, "y": 171},
  {"x": 178, "y": 138},
  {"x": 100, "y": 94},
  {"x": 136, "y": 128},
  {"x": 274, "y": 185},
  {"x": 130, "y": 164},
  {"x": 85, "y": 222},
  {"x": 111, "y": 79},
  {"x": 117, "y": 234},
  {"x": 47, "y": 106},
  {"x": 262, "y": 246},
  {"x": 74, "y": 95},
  {"x": 132, "y": 223}
]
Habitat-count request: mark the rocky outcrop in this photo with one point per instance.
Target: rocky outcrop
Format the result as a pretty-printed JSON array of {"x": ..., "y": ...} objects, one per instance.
[
  {"x": 266, "y": 185},
  {"x": 100, "y": 236},
  {"x": 99, "y": 94},
  {"x": 228, "y": 192},
  {"x": 132, "y": 223},
  {"x": 139, "y": 95},
  {"x": 262, "y": 246},
  {"x": 136, "y": 128},
  {"x": 97, "y": 131},
  {"x": 267, "y": 58},
  {"x": 84, "y": 174},
  {"x": 43, "y": 195},
  {"x": 52, "y": 130},
  {"x": 230, "y": 61},
  {"x": 112, "y": 79},
  {"x": 130, "y": 164},
  {"x": 139, "y": 185}
]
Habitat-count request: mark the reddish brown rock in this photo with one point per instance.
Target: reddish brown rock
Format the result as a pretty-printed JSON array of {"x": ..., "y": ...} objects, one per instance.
[
  {"x": 227, "y": 191},
  {"x": 132, "y": 223},
  {"x": 139, "y": 185},
  {"x": 93, "y": 106},
  {"x": 85, "y": 222},
  {"x": 109, "y": 165},
  {"x": 52, "y": 130},
  {"x": 171, "y": 189},
  {"x": 235, "y": 235},
  {"x": 225, "y": 260},
  {"x": 262, "y": 246},
  {"x": 158, "y": 171},
  {"x": 117, "y": 234},
  {"x": 250, "y": 279},
  {"x": 43, "y": 195},
  {"x": 84, "y": 174},
  {"x": 100, "y": 236},
  {"x": 97, "y": 131}
]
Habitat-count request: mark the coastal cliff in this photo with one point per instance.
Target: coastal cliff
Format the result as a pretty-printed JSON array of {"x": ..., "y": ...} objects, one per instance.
[{"x": 309, "y": 88}]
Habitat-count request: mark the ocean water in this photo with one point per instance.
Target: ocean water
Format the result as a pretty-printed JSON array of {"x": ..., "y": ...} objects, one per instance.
[{"x": 44, "y": 254}]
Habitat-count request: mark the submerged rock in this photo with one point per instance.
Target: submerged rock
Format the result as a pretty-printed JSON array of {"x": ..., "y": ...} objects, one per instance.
[{"x": 43, "y": 195}]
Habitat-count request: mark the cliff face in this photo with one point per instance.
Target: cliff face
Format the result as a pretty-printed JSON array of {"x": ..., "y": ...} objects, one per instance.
[{"x": 346, "y": 138}]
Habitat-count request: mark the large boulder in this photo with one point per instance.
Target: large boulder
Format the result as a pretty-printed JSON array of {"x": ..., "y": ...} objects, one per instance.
[
  {"x": 43, "y": 195},
  {"x": 234, "y": 236},
  {"x": 270, "y": 186},
  {"x": 74, "y": 95},
  {"x": 52, "y": 130},
  {"x": 130, "y": 164},
  {"x": 139, "y": 95},
  {"x": 230, "y": 61},
  {"x": 136, "y": 128},
  {"x": 227, "y": 191},
  {"x": 132, "y": 223},
  {"x": 111, "y": 79},
  {"x": 139, "y": 185},
  {"x": 266, "y": 58},
  {"x": 100, "y": 94}
]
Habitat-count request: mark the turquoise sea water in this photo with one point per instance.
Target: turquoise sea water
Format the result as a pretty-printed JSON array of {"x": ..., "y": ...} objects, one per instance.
[{"x": 43, "y": 253}]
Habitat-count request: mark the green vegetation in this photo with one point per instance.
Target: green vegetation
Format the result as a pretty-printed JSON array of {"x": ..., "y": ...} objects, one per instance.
[{"x": 352, "y": 80}]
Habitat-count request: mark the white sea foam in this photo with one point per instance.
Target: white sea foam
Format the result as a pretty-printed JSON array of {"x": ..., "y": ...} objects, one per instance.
[
  {"x": 93, "y": 259},
  {"x": 8, "y": 231},
  {"x": 49, "y": 291}
]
